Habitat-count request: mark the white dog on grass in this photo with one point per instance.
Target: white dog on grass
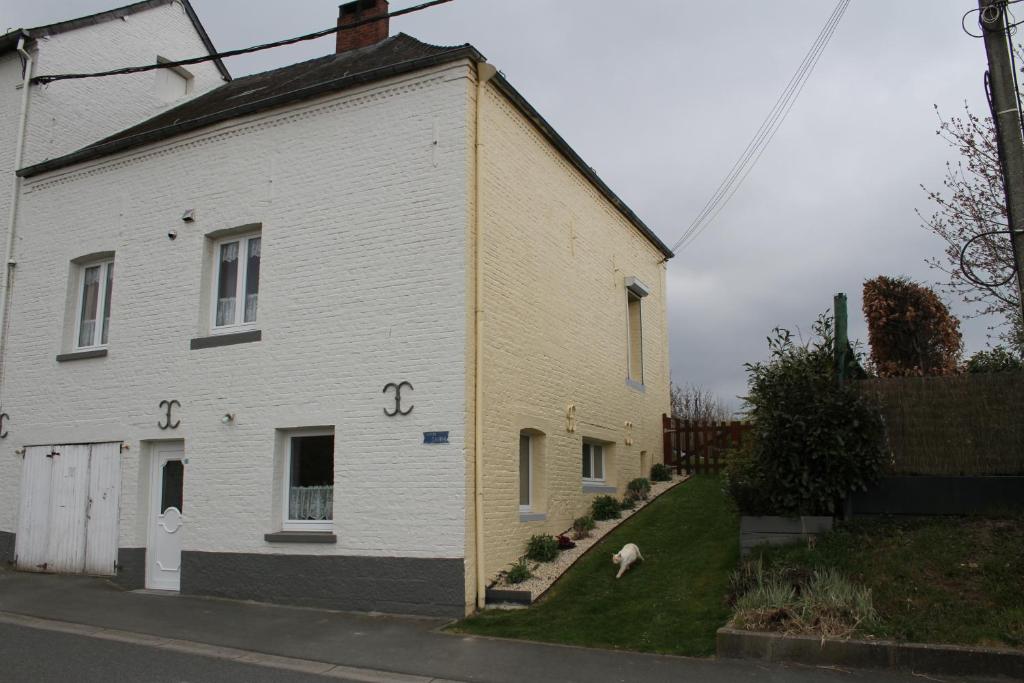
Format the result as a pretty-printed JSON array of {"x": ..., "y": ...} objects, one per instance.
[{"x": 626, "y": 557}]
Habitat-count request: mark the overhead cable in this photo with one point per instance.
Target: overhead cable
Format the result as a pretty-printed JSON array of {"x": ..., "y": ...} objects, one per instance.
[
  {"x": 49, "y": 78},
  {"x": 765, "y": 133}
]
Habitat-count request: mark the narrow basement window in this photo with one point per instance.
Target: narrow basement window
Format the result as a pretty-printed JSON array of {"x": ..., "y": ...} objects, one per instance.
[{"x": 525, "y": 471}]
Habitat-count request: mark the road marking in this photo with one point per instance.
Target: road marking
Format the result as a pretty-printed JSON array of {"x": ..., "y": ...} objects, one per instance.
[{"x": 218, "y": 652}]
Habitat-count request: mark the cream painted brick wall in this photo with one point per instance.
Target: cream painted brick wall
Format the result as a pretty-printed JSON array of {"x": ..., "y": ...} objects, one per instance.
[
  {"x": 362, "y": 199},
  {"x": 556, "y": 255}
]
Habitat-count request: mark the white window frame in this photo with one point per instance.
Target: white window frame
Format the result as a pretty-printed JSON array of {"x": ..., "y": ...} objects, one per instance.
[
  {"x": 101, "y": 303},
  {"x": 583, "y": 454},
  {"x": 529, "y": 454},
  {"x": 286, "y": 480},
  {"x": 243, "y": 267}
]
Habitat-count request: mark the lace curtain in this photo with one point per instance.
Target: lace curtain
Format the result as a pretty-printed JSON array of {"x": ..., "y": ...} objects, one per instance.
[{"x": 311, "y": 503}]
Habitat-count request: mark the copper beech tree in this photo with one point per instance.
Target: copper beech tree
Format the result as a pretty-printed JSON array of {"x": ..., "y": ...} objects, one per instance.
[
  {"x": 970, "y": 212},
  {"x": 910, "y": 330}
]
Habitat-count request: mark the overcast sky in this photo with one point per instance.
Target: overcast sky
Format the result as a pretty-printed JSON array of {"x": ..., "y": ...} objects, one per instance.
[{"x": 661, "y": 96}]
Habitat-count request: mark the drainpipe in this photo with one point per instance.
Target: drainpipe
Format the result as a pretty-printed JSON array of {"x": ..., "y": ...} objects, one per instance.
[
  {"x": 9, "y": 260},
  {"x": 484, "y": 73}
]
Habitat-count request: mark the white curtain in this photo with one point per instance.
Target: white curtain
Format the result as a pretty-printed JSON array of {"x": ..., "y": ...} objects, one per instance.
[{"x": 311, "y": 503}]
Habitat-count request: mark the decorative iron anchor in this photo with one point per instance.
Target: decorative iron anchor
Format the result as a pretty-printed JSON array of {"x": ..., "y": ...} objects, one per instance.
[
  {"x": 3, "y": 432},
  {"x": 167, "y": 424},
  {"x": 398, "y": 399}
]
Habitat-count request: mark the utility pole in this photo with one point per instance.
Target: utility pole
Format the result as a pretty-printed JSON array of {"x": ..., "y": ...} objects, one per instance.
[{"x": 1008, "y": 125}]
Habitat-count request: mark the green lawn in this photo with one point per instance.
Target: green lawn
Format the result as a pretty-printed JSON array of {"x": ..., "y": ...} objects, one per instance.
[
  {"x": 936, "y": 580},
  {"x": 671, "y": 603}
]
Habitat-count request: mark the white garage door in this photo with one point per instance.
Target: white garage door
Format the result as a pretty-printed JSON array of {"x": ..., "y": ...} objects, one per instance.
[{"x": 69, "y": 509}]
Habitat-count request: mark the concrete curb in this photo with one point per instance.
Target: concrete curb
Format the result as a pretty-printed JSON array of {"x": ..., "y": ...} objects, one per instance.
[
  {"x": 218, "y": 652},
  {"x": 952, "y": 660}
]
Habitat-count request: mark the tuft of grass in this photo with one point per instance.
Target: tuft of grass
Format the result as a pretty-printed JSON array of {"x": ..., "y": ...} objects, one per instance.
[
  {"x": 671, "y": 603},
  {"x": 542, "y": 548},
  {"x": 822, "y": 602},
  {"x": 932, "y": 579}
]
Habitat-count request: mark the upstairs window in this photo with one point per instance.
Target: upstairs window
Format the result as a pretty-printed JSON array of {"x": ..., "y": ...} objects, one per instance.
[
  {"x": 593, "y": 462},
  {"x": 236, "y": 282},
  {"x": 95, "y": 288},
  {"x": 635, "y": 293}
]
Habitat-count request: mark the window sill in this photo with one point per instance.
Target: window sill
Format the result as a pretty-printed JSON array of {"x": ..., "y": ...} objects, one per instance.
[
  {"x": 81, "y": 355},
  {"x": 533, "y": 517},
  {"x": 638, "y": 386},
  {"x": 226, "y": 339},
  {"x": 597, "y": 488},
  {"x": 301, "y": 537}
]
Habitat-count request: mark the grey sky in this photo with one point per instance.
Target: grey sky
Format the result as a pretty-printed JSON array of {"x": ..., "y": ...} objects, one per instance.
[{"x": 661, "y": 96}]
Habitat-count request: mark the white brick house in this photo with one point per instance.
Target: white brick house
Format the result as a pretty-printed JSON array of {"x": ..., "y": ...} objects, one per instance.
[{"x": 231, "y": 425}]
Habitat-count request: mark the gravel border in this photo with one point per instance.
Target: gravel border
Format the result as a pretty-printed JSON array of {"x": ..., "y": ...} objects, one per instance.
[{"x": 546, "y": 573}]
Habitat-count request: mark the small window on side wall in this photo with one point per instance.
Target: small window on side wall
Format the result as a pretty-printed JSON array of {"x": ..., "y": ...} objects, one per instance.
[
  {"x": 96, "y": 285},
  {"x": 525, "y": 471},
  {"x": 635, "y": 293},
  {"x": 236, "y": 283},
  {"x": 593, "y": 462},
  {"x": 309, "y": 482}
]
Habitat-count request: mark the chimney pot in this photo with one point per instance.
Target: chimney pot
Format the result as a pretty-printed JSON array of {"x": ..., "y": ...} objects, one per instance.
[{"x": 366, "y": 34}]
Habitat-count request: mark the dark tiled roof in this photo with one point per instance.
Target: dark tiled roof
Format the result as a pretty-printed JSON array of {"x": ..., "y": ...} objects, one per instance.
[
  {"x": 9, "y": 41},
  {"x": 270, "y": 89}
]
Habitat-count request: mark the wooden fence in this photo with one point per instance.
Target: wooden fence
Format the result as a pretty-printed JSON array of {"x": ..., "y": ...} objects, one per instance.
[{"x": 700, "y": 447}]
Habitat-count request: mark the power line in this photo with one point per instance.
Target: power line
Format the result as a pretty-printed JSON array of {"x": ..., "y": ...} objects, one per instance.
[
  {"x": 765, "y": 133},
  {"x": 49, "y": 78}
]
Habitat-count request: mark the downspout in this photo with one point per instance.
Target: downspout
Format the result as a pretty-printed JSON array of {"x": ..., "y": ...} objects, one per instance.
[
  {"x": 484, "y": 73},
  {"x": 9, "y": 260}
]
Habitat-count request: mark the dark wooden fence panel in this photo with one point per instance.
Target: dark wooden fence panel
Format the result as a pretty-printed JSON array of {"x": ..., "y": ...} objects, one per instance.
[{"x": 700, "y": 447}]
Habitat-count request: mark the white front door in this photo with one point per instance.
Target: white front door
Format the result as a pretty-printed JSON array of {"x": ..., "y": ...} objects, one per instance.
[{"x": 166, "y": 520}]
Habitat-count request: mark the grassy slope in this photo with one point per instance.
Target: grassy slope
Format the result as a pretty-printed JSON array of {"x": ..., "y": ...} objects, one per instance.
[
  {"x": 672, "y": 602},
  {"x": 939, "y": 580}
]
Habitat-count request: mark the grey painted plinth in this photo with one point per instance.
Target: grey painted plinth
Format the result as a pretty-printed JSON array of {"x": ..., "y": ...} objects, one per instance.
[
  {"x": 770, "y": 530},
  {"x": 6, "y": 548},
  {"x": 497, "y": 595},
  {"x": 951, "y": 660},
  {"x": 131, "y": 568},
  {"x": 398, "y": 585}
]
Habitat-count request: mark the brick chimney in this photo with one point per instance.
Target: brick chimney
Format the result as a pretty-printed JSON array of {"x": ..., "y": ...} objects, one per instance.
[{"x": 366, "y": 34}]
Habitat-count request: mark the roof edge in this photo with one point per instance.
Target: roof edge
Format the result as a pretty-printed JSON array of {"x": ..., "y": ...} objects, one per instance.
[
  {"x": 203, "y": 36},
  {"x": 576, "y": 160},
  {"x": 116, "y": 13},
  {"x": 100, "y": 150}
]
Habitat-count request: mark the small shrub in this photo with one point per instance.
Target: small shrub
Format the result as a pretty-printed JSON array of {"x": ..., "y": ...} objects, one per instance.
[
  {"x": 582, "y": 526},
  {"x": 542, "y": 548},
  {"x": 564, "y": 543},
  {"x": 628, "y": 502},
  {"x": 640, "y": 488},
  {"x": 605, "y": 507},
  {"x": 660, "y": 472},
  {"x": 519, "y": 572}
]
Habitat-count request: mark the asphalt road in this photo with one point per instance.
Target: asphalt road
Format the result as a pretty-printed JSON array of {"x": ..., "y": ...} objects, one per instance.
[{"x": 32, "y": 656}]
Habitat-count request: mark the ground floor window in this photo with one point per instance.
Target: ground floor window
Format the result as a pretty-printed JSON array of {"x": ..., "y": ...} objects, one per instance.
[
  {"x": 525, "y": 471},
  {"x": 310, "y": 482},
  {"x": 593, "y": 462}
]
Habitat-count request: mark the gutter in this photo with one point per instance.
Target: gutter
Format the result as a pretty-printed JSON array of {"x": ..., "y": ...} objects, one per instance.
[
  {"x": 485, "y": 72},
  {"x": 19, "y": 151}
]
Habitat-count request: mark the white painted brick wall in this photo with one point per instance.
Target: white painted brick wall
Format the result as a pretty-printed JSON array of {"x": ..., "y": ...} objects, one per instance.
[{"x": 362, "y": 283}]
